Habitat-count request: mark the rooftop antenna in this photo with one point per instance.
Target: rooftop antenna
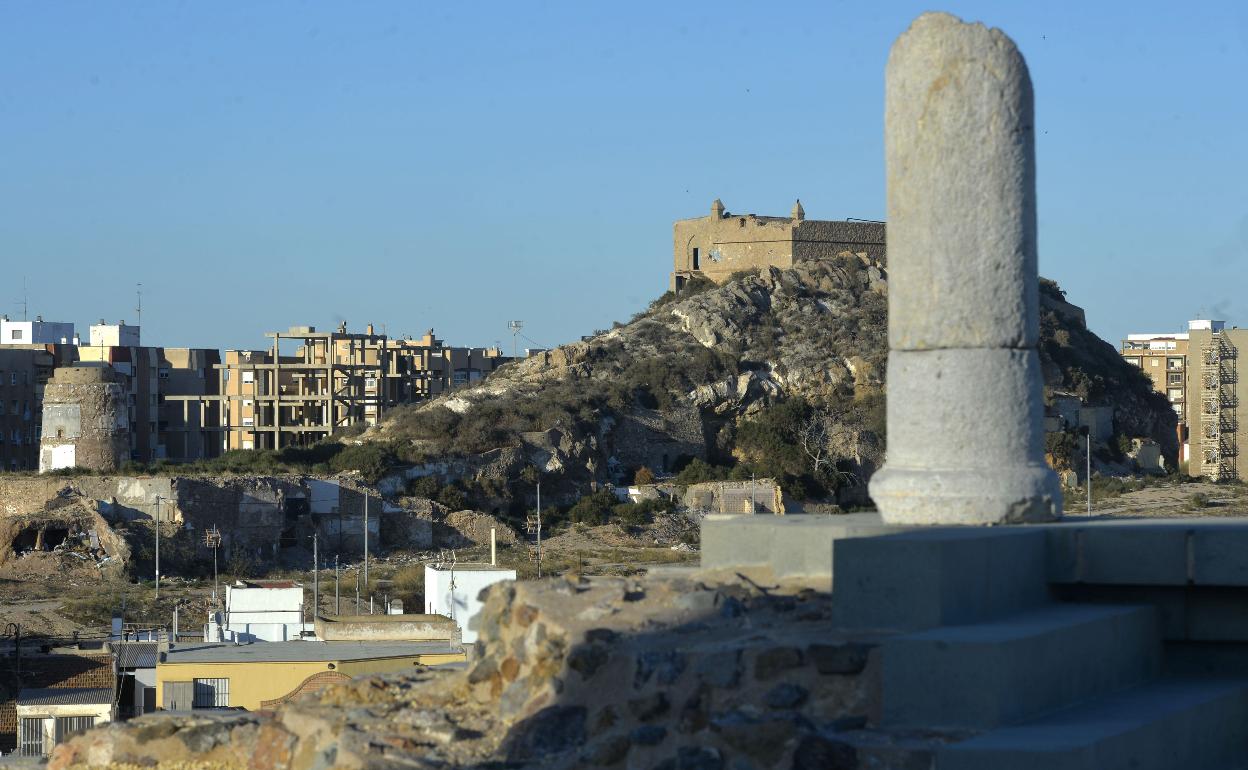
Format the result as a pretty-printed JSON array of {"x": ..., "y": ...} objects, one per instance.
[
  {"x": 138, "y": 310},
  {"x": 24, "y": 303},
  {"x": 515, "y": 327}
]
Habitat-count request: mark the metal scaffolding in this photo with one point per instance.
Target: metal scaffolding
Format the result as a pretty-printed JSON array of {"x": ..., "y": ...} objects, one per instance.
[{"x": 1217, "y": 410}]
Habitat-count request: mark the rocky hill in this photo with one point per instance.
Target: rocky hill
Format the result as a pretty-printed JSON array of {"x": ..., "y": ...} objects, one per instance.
[{"x": 778, "y": 373}]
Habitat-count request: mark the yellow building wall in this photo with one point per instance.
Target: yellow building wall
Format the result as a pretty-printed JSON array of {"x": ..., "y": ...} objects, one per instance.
[{"x": 253, "y": 682}]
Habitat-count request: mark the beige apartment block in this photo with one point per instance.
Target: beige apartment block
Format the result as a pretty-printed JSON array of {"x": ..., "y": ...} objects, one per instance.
[
  {"x": 187, "y": 372},
  {"x": 722, "y": 243},
  {"x": 1164, "y": 360},
  {"x": 1215, "y": 396}
]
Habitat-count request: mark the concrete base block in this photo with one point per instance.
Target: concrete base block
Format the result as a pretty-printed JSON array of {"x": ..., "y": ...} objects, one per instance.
[
  {"x": 933, "y": 577},
  {"x": 791, "y": 546},
  {"x": 1017, "y": 667},
  {"x": 1182, "y": 723}
]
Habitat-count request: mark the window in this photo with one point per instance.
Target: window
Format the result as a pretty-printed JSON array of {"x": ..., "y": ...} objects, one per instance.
[
  {"x": 1174, "y": 378},
  {"x": 1175, "y": 394},
  {"x": 1, "y": 408},
  {"x": 211, "y": 693},
  {"x": 249, "y": 376},
  {"x": 249, "y": 421},
  {"x": 1133, "y": 360},
  {"x": 17, "y": 334},
  {"x": 68, "y": 727},
  {"x": 1156, "y": 362},
  {"x": 30, "y": 738},
  {"x": 697, "y": 261},
  {"x": 12, "y": 378},
  {"x": 1174, "y": 363}
]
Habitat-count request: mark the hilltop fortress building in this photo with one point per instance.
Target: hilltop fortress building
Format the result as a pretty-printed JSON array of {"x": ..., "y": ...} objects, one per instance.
[{"x": 718, "y": 245}]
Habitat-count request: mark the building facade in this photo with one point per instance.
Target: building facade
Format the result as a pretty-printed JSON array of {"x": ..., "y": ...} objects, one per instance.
[
  {"x": 1164, "y": 360},
  {"x": 1215, "y": 392},
  {"x": 36, "y": 332},
  {"x": 720, "y": 244},
  {"x": 324, "y": 382}
]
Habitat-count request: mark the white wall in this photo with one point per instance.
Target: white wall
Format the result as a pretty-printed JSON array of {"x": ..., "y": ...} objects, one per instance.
[
  {"x": 36, "y": 333},
  {"x": 461, "y": 603},
  {"x": 103, "y": 713},
  {"x": 114, "y": 335}
]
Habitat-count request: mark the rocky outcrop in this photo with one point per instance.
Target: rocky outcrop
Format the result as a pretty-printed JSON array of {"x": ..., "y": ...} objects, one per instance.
[
  {"x": 677, "y": 381},
  {"x": 610, "y": 672}
]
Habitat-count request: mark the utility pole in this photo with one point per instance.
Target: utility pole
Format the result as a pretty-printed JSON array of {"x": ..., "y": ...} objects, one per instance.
[
  {"x": 366, "y": 539},
  {"x": 753, "y": 498},
  {"x": 357, "y": 590},
  {"x": 1089, "y": 470},
  {"x": 158, "y": 501},
  {"x": 1087, "y": 434},
  {"x": 337, "y": 594},
  {"x": 316, "y": 576},
  {"x": 515, "y": 327},
  {"x": 539, "y": 527},
  {"x": 212, "y": 539}
]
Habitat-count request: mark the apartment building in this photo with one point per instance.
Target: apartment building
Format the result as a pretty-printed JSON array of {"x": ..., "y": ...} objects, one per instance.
[
  {"x": 1216, "y": 435},
  {"x": 36, "y": 332},
  {"x": 21, "y": 404},
  {"x": 308, "y": 385},
  {"x": 1164, "y": 360}
]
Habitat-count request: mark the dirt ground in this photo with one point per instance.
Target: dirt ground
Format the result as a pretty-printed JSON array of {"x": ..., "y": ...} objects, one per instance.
[
  {"x": 50, "y": 595},
  {"x": 1169, "y": 499}
]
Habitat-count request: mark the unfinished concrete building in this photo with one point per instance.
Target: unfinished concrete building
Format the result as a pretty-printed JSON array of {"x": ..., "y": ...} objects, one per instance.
[
  {"x": 84, "y": 420},
  {"x": 323, "y": 382},
  {"x": 720, "y": 244}
]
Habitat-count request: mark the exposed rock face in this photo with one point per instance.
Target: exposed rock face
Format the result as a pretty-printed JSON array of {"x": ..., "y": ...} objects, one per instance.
[{"x": 677, "y": 381}]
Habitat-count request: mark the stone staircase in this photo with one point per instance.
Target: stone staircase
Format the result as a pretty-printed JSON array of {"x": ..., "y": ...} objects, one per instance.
[{"x": 979, "y": 647}]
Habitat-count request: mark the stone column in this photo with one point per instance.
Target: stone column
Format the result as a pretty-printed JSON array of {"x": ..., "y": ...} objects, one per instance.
[{"x": 965, "y": 407}]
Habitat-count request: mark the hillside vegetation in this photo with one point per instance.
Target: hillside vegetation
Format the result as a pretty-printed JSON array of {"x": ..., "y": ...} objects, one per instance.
[{"x": 777, "y": 373}]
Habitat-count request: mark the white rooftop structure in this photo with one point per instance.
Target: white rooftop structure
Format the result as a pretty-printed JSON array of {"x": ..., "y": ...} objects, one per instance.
[
  {"x": 1206, "y": 325},
  {"x": 1148, "y": 337},
  {"x": 118, "y": 335},
  {"x": 453, "y": 589},
  {"x": 36, "y": 332},
  {"x": 260, "y": 611}
]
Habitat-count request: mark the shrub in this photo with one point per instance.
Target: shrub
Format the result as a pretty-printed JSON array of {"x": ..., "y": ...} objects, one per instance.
[
  {"x": 1198, "y": 500},
  {"x": 372, "y": 460},
  {"x": 643, "y": 476},
  {"x": 409, "y": 585},
  {"x": 453, "y": 498},
  {"x": 699, "y": 471},
  {"x": 593, "y": 509},
  {"x": 424, "y": 486}
]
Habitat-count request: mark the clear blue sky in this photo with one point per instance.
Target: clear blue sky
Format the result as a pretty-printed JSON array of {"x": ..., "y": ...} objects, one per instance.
[{"x": 457, "y": 165}]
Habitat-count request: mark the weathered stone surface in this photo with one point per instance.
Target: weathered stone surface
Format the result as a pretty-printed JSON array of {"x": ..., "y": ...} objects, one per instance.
[
  {"x": 965, "y": 408},
  {"x": 960, "y": 147},
  {"x": 525, "y": 701}
]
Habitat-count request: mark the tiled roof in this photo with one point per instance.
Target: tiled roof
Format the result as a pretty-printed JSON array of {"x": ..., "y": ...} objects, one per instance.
[
  {"x": 135, "y": 654},
  {"x": 64, "y": 696}
]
